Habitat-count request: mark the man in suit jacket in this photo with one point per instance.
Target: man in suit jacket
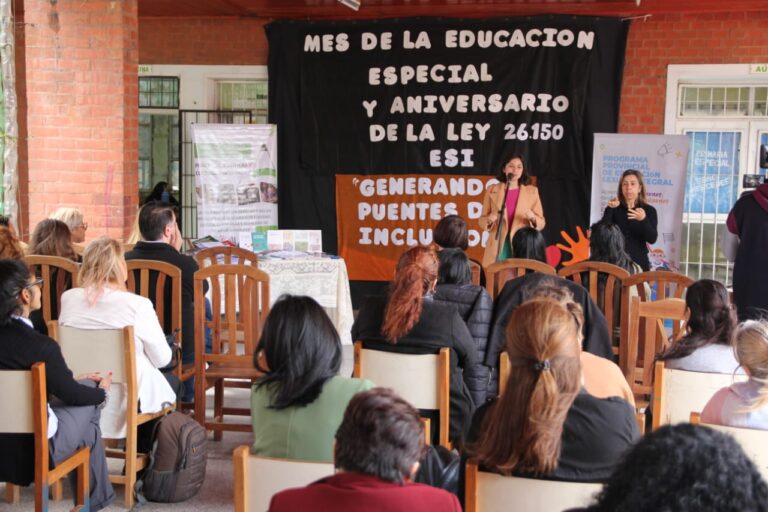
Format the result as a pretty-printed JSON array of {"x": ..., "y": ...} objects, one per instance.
[
  {"x": 162, "y": 242},
  {"x": 378, "y": 447}
]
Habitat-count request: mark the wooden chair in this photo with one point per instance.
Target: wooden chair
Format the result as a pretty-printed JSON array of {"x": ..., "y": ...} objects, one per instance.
[
  {"x": 257, "y": 479},
  {"x": 605, "y": 285},
  {"x": 475, "y": 270},
  {"x": 497, "y": 274},
  {"x": 105, "y": 350},
  {"x": 677, "y": 392},
  {"x": 235, "y": 329},
  {"x": 59, "y": 275},
  {"x": 421, "y": 379},
  {"x": 504, "y": 369},
  {"x": 752, "y": 441},
  {"x": 226, "y": 255},
  {"x": 153, "y": 279},
  {"x": 647, "y": 337},
  {"x": 29, "y": 406},
  {"x": 487, "y": 491}
]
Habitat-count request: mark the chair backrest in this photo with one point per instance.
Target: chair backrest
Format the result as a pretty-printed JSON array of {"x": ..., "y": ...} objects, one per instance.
[
  {"x": 678, "y": 392},
  {"x": 257, "y": 479},
  {"x": 497, "y": 274},
  {"x": 646, "y": 337},
  {"x": 59, "y": 275},
  {"x": 652, "y": 285},
  {"x": 475, "y": 270},
  {"x": 491, "y": 492},
  {"x": 158, "y": 280},
  {"x": 752, "y": 441},
  {"x": 226, "y": 255},
  {"x": 604, "y": 282},
  {"x": 240, "y": 305},
  {"x": 421, "y": 379}
]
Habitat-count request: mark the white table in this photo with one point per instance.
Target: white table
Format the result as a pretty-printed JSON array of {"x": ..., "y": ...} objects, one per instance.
[{"x": 323, "y": 279}]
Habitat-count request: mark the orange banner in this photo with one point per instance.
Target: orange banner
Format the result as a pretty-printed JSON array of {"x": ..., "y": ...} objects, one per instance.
[{"x": 378, "y": 217}]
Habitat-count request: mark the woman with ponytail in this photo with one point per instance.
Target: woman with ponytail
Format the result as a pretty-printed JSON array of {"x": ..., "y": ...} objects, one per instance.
[
  {"x": 409, "y": 321},
  {"x": 545, "y": 424},
  {"x": 745, "y": 404},
  {"x": 706, "y": 347}
]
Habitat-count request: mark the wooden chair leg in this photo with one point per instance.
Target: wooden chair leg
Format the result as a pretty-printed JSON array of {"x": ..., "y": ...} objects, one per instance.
[
  {"x": 82, "y": 498},
  {"x": 130, "y": 464},
  {"x": 218, "y": 407},
  {"x": 41, "y": 498},
  {"x": 12, "y": 493},
  {"x": 57, "y": 491}
]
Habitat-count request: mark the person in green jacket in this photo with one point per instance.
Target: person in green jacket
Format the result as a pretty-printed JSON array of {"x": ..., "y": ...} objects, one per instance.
[{"x": 299, "y": 403}]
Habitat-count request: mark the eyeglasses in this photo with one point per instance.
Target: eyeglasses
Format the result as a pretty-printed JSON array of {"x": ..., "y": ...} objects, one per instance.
[
  {"x": 83, "y": 225},
  {"x": 37, "y": 282}
]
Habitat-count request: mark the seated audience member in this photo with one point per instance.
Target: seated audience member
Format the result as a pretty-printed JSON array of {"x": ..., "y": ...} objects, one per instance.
[
  {"x": 529, "y": 243},
  {"x": 298, "y": 404},
  {"x": 745, "y": 404},
  {"x": 545, "y": 425},
  {"x": 73, "y": 218},
  {"x": 135, "y": 235},
  {"x": 684, "y": 468},
  {"x": 451, "y": 233},
  {"x": 161, "y": 193},
  {"x": 378, "y": 447},
  {"x": 472, "y": 302},
  {"x": 52, "y": 237},
  {"x": 10, "y": 248},
  {"x": 5, "y": 222},
  {"x": 601, "y": 377},
  {"x": 410, "y": 321},
  {"x": 73, "y": 422},
  {"x": 606, "y": 244},
  {"x": 596, "y": 339},
  {"x": 710, "y": 322},
  {"x": 161, "y": 241},
  {"x": 102, "y": 302}
]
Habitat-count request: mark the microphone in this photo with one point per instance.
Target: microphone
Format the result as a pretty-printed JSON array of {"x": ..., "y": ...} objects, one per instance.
[{"x": 509, "y": 177}]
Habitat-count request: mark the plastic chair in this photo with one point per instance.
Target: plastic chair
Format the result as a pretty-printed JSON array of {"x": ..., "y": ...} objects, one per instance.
[
  {"x": 497, "y": 274},
  {"x": 752, "y": 441},
  {"x": 29, "y": 405},
  {"x": 421, "y": 379}
]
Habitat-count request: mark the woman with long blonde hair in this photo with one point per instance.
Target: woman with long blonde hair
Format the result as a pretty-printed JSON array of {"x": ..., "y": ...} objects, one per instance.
[
  {"x": 545, "y": 424},
  {"x": 409, "y": 321},
  {"x": 102, "y": 302},
  {"x": 745, "y": 404}
]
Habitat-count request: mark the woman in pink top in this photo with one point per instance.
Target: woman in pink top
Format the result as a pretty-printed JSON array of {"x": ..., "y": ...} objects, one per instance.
[
  {"x": 522, "y": 207},
  {"x": 745, "y": 404}
]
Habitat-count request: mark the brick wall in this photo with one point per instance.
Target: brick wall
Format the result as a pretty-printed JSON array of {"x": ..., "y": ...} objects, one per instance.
[
  {"x": 727, "y": 38},
  {"x": 82, "y": 114}
]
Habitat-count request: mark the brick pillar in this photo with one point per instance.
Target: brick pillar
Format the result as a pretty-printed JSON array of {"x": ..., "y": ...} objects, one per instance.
[{"x": 82, "y": 111}]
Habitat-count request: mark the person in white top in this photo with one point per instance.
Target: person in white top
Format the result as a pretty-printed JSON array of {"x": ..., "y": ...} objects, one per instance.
[{"x": 103, "y": 302}]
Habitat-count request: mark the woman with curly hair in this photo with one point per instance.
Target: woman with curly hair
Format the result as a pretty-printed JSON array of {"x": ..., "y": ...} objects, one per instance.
[
  {"x": 409, "y": 321},
  {"x": 684, "y": 467},
  {"x": 745, "y": 404},
  {"x": 10, "y": 248},
  {"x": 545, "y": 424},
  {"x": 711, "y": 320}
]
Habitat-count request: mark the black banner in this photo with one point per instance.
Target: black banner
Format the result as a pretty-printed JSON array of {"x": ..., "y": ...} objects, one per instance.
[{"x": 441, "y": 96}]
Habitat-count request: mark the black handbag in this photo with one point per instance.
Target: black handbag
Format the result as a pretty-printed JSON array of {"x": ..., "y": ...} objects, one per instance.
[{"x": 440, "y": 468}]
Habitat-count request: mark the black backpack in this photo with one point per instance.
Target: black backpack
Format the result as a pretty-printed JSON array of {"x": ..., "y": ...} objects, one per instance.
[{"x": 177, "y": 461}]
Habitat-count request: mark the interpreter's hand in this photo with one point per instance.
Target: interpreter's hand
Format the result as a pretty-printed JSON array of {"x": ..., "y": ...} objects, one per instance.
[
  {"x": 579, "y": 249},
  {"x": 613, "y": 203},
  {"x": 492, "y": 218},
  {"x": 177, "y": 240},
  {"x": 636, "y": 214},
  {"x": 94, "y": 376},
  {"x": 105, "y": 382}
]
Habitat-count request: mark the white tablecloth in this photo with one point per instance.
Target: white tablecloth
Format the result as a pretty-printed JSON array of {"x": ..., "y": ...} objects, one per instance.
[{"x": 323, "y": 279}]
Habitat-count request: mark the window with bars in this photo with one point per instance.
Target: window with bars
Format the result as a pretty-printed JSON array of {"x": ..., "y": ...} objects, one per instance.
[
  {"x": 158, "y": 92},
  {"x": 723, "y": 101},
  {"x": 243, "y": 95}
]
